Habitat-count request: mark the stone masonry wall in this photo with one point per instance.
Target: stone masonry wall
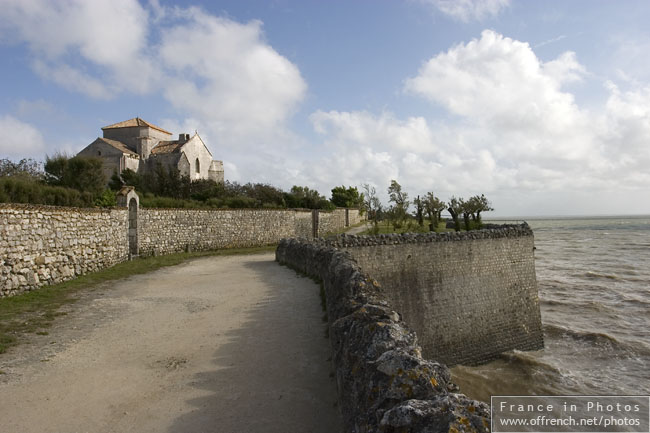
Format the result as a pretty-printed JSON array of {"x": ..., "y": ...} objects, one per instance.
[
  {"x": 354, "y": 216},
  {"x": 384, "y": 384},
  {"x": 42, "y": 245},
  {"x": 470, "y": 296},
  {"x": 46, "y": 244},
  {"x": 164, "y": 231},
  {"x": 331, "y": 221}
]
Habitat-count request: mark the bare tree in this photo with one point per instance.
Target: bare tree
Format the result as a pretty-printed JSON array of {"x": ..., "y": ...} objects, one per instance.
[{"x": 371, "y": 203}]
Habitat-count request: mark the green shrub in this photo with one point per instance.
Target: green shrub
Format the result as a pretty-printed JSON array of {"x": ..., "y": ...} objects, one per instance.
[{"x": 19, "y": 190}]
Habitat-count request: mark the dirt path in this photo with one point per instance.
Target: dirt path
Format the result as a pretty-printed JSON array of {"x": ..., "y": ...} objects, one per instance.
[
  {"x": 359, "y": 229},
  {"x": 222, "y": 344}
]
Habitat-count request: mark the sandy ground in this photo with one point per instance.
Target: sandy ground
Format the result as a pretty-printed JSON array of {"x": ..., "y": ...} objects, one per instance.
[{"x": 222, "y": 344}]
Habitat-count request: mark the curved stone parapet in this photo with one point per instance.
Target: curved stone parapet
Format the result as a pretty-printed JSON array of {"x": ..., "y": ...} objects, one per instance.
[{"x": 384, "y": 383}]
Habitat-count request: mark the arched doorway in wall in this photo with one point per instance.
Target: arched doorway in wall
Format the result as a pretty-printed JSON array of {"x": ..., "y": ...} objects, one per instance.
[{"x": 133, "y": 227}]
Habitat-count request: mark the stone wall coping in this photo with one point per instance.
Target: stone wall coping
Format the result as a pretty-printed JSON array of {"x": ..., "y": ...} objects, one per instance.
[
  {"x": 494, "y": 232},
  {"x": 30, "y": 206},
  {"x": 226, "y": 209},
  {"x": 52, "y": 208}
]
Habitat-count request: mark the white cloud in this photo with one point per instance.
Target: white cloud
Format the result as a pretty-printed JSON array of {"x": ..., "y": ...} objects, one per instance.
[
  {"x": 223, "y": 73},
  {"x": 73, "y": 79},
  {"x": 494, "y": 77},
  {"x": 36, "y": 107},
  {"x": 20, "y": 139},
  {"x": 220, "y": 76},
  {"x": 97, "y": 48},
  {"x": 517, "y": 133},
  {"x": 499, "y": 84},
  {"x": 383, "y": 132},
  {"x": 469, "y": 10},
  {"x": 626, "y": 132}
]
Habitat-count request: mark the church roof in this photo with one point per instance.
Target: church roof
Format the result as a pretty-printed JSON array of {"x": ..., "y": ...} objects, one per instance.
[
  {"x": 136, "y": 121},
  {"x": 167, "y": 147},
  {"x": 118, "y": 145}
]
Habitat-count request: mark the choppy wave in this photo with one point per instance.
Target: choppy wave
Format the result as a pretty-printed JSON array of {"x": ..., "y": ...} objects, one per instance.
[
  {"x": 594, "y": 288},
  {"x": 524, "y": 360},
  {"x": 597, "y": 275},
  {"x": 599, "y": 340},
  {"x": 570, "y": 303}
]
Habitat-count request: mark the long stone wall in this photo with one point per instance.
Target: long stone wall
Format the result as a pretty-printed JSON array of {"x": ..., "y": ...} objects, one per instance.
[
  {"x": 46, "y": 244},
  {"x": 42, "y": 245},
  {"x": 384, "y": 384},
  {"x": 354, "y": 216},
  {"x": 164, "y": 231},
  {"x": 470, "y": 296},
  {"x": 331, "y": 221}
]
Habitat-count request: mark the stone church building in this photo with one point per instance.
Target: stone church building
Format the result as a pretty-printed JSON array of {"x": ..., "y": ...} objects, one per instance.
[{"x": 140, "y": 146}]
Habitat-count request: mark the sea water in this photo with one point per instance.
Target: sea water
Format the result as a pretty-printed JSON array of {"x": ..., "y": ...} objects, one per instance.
[{"x": 593, "y": 276}]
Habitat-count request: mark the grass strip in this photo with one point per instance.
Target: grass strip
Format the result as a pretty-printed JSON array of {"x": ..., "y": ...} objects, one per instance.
[{"x": 34, "y": 311}]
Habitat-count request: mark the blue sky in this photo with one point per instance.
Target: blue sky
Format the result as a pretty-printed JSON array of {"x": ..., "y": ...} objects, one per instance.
[{"x": 542, "y": 106}]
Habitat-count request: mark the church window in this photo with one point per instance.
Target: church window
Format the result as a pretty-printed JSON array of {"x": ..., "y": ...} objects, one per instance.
[{"x": 197, "y": 166}]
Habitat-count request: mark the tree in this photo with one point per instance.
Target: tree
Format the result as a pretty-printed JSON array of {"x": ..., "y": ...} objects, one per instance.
[
  {"x": 127, "y": 177},
  {"x": 80, "y": 173},
  {"x": 346, "y": 197},
  {"x": 265, "y": 195},
  {"x": 479, "y": 204},
  {"x": 433, "y": 207},
  {"x": 455, "y": 209},
  {"x": 399, "y": 210},
  {"x": 26, "y": 168},
  {"x": 303, "y": 197},
  {"x": 419, "y": 210},
  {"x": 371, "y": 204},
  {"x": 466, "y": 207}
]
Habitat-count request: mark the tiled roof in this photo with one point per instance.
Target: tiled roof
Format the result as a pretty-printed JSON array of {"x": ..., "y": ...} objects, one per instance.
[
  {"x": 136, "y": 121},
  {"x": 118, "y": 145},
  {"x": 166, "y": 147}
]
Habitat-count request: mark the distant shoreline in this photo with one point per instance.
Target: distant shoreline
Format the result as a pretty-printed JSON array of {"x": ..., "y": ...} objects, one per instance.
[{"x": 566, "y": 217}]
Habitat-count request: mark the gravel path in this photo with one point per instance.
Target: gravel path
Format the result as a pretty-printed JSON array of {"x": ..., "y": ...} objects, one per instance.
[{"x": 221, "y": 344}]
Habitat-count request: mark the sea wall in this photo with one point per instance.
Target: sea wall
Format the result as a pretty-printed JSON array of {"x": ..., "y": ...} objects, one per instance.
[
  {"x": 46, "y": 244},
  {"x": 470, "y": 296},
  {"x": 384, "y": 383},
  {"x": 42, "y": 245}
]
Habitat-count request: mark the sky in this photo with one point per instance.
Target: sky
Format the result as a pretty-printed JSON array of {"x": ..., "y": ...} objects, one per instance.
[{"x": 544, "y": 107}]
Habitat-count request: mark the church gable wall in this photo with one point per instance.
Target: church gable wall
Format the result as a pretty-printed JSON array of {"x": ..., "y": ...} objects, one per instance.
[{"x": 193, "y": 150}]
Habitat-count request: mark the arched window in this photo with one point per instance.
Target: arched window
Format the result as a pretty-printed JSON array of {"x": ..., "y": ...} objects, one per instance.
[{"x": 197, "y": 166}]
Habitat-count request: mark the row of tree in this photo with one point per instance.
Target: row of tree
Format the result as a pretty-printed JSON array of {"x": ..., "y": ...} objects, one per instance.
[
  {"x": 59, "y": 182},
  {"x": 430, "y": 205},
  {"x": 79, "y": 181}
]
